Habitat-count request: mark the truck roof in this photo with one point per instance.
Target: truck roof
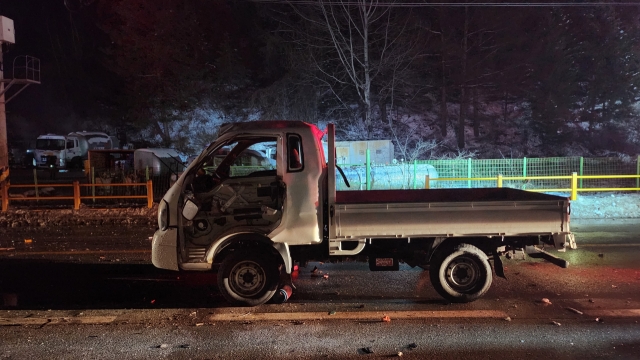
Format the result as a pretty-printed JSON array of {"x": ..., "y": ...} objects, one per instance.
[{"x": 51, "y": 136}]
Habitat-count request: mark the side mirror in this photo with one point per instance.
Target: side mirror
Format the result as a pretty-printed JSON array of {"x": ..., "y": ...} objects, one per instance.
[{"x": 190, "y": 209}]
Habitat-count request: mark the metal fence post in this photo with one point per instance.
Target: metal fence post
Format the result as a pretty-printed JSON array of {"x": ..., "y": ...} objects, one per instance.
[
  {"x": 93, "y": 182},
  {"x": 638, "y": 172},
  {"x": 469, "y": 172},
  {"x": 426, "y": 182},
  {"x": 35, "y": 182},
  {"x": 5, "y": 195},
  {"x": 149, "y": 194},
  {"x": 368, "y": 175},
  {"x": 76, "y": 195},
  {"x": 415, "y": 174},
  {"x": 574, "y": 186},
  {"x": 499, "y": 180},
  {"x": 524, "y": 167},
  {"x": 581, "y": 169}
]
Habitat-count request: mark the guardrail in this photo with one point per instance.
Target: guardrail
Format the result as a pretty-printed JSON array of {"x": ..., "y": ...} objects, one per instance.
[
  {"x": 574, "y": 179},
  {"x": 77, "y": 197}
]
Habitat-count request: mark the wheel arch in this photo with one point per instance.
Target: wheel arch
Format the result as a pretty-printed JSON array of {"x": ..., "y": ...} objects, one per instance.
[
  {"x": 250, "y": 241},
  {"x": 450, "y": 243}
]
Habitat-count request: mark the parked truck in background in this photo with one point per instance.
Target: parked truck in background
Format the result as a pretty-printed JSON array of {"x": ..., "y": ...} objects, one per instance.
[
  {"x": 251, "y": 226},
  {"x": 69, "y": 151}
]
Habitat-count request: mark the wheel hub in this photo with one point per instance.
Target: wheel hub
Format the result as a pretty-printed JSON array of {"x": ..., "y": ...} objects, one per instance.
[
  {"x": 247, "y": 278},
  {"x": 462, "y": 273}
]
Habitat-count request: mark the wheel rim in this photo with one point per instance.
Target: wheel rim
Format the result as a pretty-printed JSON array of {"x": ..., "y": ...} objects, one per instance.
[
  {"x": 247, "y": 278},
  {"x": 462, "y": 274}
]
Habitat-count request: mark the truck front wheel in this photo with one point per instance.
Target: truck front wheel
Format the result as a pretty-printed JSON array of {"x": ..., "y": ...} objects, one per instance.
[
  {"x": 462, "y": 275},
  {"x": 248, "y": 279}
]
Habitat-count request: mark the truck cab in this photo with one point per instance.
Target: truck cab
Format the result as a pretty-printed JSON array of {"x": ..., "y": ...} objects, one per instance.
[
  {"x": 234, "y": 199},
  {"x": 51, "y": 151}
]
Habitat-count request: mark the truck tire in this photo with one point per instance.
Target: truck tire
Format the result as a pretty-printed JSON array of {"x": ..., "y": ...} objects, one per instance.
[
  {"x": 248, "y": 279},
  {"x": 462, "y": 275}
]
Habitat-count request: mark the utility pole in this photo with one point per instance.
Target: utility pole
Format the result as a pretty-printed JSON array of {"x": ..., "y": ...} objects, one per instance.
[
  {"x": 26, "y": 71},
  {"x": 6, "y": 36}
]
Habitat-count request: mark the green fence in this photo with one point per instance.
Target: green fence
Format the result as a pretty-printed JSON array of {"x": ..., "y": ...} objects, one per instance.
[{"x": 555, "y": 166}]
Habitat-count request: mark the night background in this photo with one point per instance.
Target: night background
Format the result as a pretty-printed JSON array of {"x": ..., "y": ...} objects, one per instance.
[{"x": 441, "y": 82}]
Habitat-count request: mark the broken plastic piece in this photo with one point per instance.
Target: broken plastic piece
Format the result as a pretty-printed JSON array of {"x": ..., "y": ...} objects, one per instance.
[{"x": 386, "y": 318}]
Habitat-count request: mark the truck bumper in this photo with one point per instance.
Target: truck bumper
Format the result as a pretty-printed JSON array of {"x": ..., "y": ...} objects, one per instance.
[{"x": 164, "y": 249}]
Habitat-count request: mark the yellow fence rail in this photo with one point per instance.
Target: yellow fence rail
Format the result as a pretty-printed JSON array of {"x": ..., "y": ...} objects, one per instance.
[
  {"x": 77, "y": 197},
  {"x": 573, "y": 189}
]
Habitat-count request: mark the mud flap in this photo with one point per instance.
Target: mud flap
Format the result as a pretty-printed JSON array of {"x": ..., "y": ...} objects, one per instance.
[{"x": 497, "y": 265}]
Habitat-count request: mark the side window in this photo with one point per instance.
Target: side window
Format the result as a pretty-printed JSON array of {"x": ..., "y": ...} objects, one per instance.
[
  {"x": 253, "y": 160},
  {"x": 294, "y": 153},
  {"x": 70, "y": 144}
]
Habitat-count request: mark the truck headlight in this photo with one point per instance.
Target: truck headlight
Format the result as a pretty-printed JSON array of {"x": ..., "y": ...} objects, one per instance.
[{"x": 163, "y": 215}]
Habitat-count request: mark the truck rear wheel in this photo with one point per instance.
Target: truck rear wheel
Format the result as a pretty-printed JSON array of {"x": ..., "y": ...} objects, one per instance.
[
  {"x": 462, "y": 275},
  {"x": 248, "y": 279}
]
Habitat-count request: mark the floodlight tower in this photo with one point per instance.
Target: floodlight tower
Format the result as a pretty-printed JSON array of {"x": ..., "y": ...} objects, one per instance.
[{"x": 26, "y": 71}]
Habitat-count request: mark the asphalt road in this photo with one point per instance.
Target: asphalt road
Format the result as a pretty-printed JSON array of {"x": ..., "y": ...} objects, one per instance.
[{"x": 78, "y": 293}]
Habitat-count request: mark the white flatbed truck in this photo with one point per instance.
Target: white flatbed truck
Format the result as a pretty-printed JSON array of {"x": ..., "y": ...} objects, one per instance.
[{"x": 251, "y": 220}]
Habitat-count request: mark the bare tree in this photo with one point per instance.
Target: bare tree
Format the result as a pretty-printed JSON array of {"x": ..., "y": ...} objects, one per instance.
[{"x": 355, "y": 46}]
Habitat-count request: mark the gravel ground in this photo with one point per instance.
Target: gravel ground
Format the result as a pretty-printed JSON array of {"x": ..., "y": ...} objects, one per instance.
[{"x": 592, "y": 206}]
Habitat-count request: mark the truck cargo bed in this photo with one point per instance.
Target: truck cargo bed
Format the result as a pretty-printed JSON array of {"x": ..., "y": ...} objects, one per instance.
[
  {"x": 439, "y": 195},
  {"x": 448, "y": 213}
]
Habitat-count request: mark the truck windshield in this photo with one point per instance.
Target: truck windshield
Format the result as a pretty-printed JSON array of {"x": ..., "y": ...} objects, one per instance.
[{"x": 50, "y": 144}]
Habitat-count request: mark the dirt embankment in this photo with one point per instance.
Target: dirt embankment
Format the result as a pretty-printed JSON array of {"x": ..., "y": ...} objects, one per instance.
[
  {"x": 596, "y": 206},
  {"x": 83, "y": 216}
]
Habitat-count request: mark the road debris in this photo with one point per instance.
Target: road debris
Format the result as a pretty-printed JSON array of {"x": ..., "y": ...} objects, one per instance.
[
  {"x": 332, "y": 312},
  {"x": 199, "y": 324},
  {"x": 28, "y": 241},
  {"x": 412, "y": 346},
  {"x": 366, "y": 350},
  {"x": 386, "y": 319},
  {"x": 600, "y": 320},
  {"x": 184, "y": 346},
  {"x": 555, "y": 323},
  {"x": 545, "y": 301},
  {"x": 508, "y": 318},
  {"x": 575, "y": 310},
  {"x": 399, "y": 354},
  {"x": 326, "y": 276}
]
